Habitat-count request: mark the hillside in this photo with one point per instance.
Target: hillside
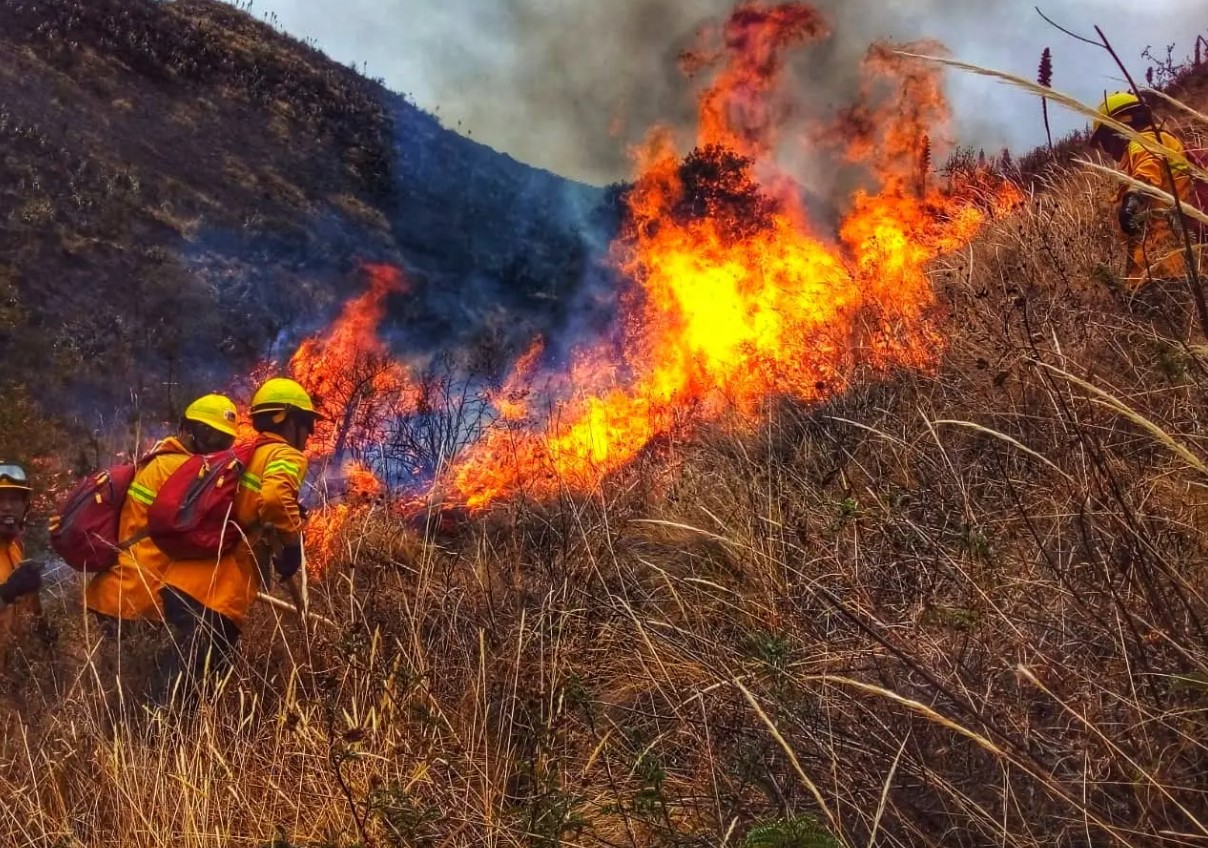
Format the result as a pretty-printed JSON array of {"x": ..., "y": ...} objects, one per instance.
[{"x": 180, "y": 183}]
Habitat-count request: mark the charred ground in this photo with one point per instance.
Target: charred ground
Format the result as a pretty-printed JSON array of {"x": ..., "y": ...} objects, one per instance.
[{"x": 180, "y": 183}]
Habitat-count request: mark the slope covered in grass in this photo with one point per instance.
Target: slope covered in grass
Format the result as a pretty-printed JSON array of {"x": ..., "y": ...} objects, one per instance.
[{"x": 964, "y": 607}]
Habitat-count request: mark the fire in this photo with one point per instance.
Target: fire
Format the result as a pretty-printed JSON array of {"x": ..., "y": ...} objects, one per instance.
[
  {"x": 736, "y": 297},
  {"x": 359, "y": 388},
  {"x": 322, "y": 534},
  {"x": 357, "y": 383},
  {"x": 361, "y": 484},
  {"x": 733, "y": 294},
  {"x": 326, "y": 527},
  {"x": 511, "y": 401}
]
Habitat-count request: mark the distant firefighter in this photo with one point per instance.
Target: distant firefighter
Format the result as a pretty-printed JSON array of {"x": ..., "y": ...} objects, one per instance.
[{"x": 1151, "y": 229}]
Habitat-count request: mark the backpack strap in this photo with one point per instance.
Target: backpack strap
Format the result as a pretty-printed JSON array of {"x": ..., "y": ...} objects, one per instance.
[
  {"x": 141, "y": 463},
  {"x": 127, "y": 544}
]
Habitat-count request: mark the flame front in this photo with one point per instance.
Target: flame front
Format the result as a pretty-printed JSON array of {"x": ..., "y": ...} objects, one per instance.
[
  {"x": 360, "y": 388},
  {"x": 356, "y": 381},
  {"x": 731, "y": 294},
  {"x": 735, "y": 298}
]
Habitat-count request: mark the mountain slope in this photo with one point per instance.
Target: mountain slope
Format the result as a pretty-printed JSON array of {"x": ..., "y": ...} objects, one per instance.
[{"x": 179, "y": 179}]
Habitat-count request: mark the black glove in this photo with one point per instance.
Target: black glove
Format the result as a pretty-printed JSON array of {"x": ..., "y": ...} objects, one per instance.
[
  {"x": 303, "y": 512},
  {"x": 1130, "y": 212},
  {"x": 288, "y": 561},
  {"x": 25, "y": 580}
]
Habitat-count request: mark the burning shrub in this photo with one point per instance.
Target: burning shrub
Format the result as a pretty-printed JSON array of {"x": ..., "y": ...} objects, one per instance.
[
  {"x": 717, "y": 185},
  {"x": 358, "y": 384}
]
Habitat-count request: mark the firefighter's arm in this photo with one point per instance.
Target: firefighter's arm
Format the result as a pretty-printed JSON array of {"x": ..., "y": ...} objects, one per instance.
[
  {"x": 25, "y": 580},
  {"x": 1147, "y": 167},
  {"x": 280, "y": 487}
]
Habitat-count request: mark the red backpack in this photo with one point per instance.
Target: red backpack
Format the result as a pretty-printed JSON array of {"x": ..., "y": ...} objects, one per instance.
[
  {"x": 84, "y": 530},
  {"x": 192, "y": 516}
]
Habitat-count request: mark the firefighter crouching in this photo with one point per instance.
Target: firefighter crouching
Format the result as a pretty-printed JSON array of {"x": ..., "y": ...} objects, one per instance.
[{"x": 1152, "y": 230}]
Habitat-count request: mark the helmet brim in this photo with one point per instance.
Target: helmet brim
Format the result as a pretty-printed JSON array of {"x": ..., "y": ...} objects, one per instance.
[
  {"x": 224, "y": 428},
  {"x": 313, "y": 414}
]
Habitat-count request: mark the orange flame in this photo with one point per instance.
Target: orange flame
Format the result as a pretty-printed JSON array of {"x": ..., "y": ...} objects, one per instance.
[
  {"x": 325, "y": 527},
  {"x": 511, "y": 400},
  {"x": 736, "y": 298},
  {"x": 322, "y": 535},
  {"x": 348, "y": 369},
  {"x": 359, "y": 387}
]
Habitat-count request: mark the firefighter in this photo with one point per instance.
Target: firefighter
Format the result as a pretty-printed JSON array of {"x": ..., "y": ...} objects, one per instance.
[
  {"x": 206, "y": 604},
  {"x": 22, "y": 579},
  {"x": 130, "y": 590},
  {"x": 126, "y": 597},
  {"x": 1151, "y": 229}
]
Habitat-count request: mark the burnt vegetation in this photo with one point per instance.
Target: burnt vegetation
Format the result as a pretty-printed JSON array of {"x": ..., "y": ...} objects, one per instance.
[
  {"x": 181, "y": 182},
  {"x": 718, "y": 186}
]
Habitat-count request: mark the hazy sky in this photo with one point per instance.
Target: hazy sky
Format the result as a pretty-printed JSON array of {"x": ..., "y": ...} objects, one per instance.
[{"x": 566, "y": 84}]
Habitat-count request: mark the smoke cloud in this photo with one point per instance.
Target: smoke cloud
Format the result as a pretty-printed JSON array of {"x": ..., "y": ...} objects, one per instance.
[{"x": 569, "y": 84}]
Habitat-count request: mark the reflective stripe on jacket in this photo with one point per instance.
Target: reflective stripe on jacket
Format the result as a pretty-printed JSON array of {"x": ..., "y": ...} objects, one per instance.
[{"x": 266, "y": 509}]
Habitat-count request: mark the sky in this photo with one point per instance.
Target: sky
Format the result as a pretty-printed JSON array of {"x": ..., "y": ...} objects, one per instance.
[{"x": 569, "y": 85}]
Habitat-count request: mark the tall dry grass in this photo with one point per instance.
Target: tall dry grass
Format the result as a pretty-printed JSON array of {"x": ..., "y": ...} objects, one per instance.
[{"x": 959, "y": 608}]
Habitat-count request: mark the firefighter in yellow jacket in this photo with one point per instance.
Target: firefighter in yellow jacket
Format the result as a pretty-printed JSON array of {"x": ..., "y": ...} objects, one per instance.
[
  {"x": 130, "y": 590},
  {"x": 206, "y": 604},
  {"x": 21, "y": 579},
  {"x": 1152, "y": 230},
  {"x": 125, "y": 599}
]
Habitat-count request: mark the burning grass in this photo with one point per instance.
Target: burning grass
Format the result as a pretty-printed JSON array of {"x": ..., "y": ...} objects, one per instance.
[
  {"x": 733, "y": 295},
  {"x": 953, "y": 609},
  {"x": 959, "y": 606}
]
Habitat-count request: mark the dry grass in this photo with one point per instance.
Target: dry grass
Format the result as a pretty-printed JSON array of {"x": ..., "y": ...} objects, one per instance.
[{"x": 964, "y": 608}]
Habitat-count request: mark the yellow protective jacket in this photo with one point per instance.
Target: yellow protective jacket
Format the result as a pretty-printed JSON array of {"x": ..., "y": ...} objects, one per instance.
[
  {"x": 1157, "y": 251},
  {"x": 130, "y": 590},
  {"x": 1150, "y": 168},
  {"x": 11, "y": 555},
  {"x": 266, "y": 510}
]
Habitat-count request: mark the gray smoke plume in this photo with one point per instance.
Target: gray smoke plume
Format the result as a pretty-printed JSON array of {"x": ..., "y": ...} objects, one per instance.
[{"x": 570, "y": 84}]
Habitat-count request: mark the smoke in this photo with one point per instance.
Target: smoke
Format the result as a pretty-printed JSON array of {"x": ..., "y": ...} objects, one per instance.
[{"x": 570, "y": 84}]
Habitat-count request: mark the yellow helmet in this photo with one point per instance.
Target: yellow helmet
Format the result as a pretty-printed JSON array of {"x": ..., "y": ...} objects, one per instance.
[
  {"x": 214, "y": 411},
  {"x": 1118, "y": 106},
  {"x": 13, "y": 476},
  {"x": 282, "y": 395}
]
